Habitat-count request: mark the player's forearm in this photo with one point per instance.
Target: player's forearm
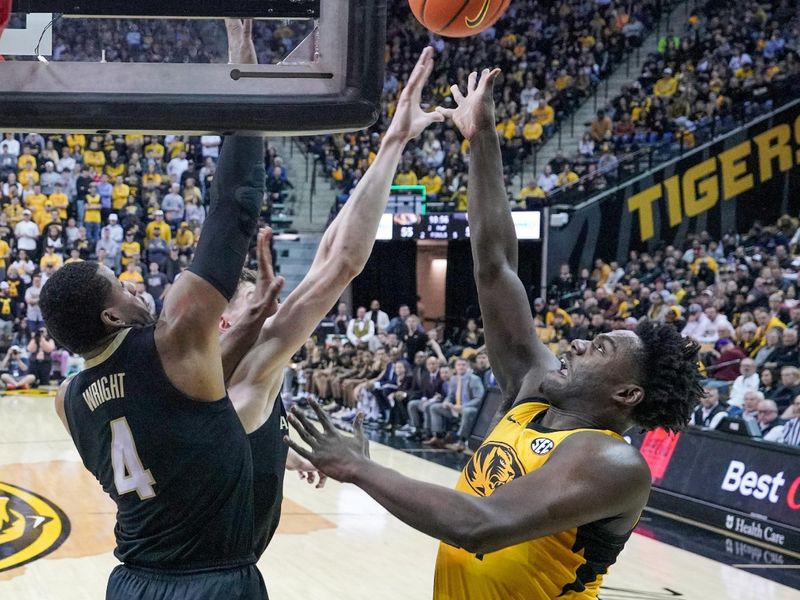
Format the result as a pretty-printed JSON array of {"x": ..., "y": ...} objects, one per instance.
[
  {"x": 347, "y": 244},
  {"x": 240, "y": 338},
  {"x": 492, "y": 234},
  {"x": 434, "y": 510}
]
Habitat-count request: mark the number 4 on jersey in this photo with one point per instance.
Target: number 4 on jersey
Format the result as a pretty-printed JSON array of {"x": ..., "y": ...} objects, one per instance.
[{"x": 129, "y": 474}]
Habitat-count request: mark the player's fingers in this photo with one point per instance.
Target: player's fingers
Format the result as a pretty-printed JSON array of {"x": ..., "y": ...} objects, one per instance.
[
  {"x": 447, "y": 113},
  {"x": 307, "y": 432},
  {"x": 434, "y": 116},
  {"x": 457, "y": 95},
  {"x": 248, "y": 27},
  {"x": 322, "y": 416},
  {"x": 297, "y": 448},
  {"x": 310, "y": 478},
  {"x": 472, "y": 82},
  {"x": 233, "y": 26},
  {"x": 488, "y": 78},
  {"x": 322, "y": 480},
  {"x": 358, "y": 427}
]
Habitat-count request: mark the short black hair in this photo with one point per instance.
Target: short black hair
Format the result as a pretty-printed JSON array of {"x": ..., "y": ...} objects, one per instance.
[
  {"x": 71, "y": 301},
  {"x": 670, "y": 377}
]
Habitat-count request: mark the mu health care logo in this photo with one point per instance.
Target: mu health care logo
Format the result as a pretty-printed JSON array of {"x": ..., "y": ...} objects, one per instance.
[{"x": 30, "y": 526}]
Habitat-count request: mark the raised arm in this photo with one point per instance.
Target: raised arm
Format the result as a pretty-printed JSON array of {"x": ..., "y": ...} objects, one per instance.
[
  {"x": 547, "y": 501},
  {"x": 519, "y": 360},
  {"x": 187, "y": 333},
  {"x": 347, "y": 244}
]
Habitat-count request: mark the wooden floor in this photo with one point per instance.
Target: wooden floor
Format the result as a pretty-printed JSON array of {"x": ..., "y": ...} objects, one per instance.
[{"x": 332, "y": 544}]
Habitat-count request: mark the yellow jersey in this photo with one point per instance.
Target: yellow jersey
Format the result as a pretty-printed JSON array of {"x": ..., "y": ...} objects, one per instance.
[{"x": 568, "y": 565}]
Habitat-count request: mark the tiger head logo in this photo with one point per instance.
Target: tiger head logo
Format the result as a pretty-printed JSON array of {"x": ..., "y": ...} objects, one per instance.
[
  {"x": 493, "y": 465},
  {"x": 30, "y": 526}
]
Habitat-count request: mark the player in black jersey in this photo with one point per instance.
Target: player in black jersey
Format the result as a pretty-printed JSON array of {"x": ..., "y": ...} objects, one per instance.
[
  {"x": 343, "y": 251},
  {"x": 149, "y": 410}
]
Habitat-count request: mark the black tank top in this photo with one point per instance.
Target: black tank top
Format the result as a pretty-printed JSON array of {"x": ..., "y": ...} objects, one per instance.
[
  {"x": 180, "y": 471},
  {"x": 269, "y": 466}
]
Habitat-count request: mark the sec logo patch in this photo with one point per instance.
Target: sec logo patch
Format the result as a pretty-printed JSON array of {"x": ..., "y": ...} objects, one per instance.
[
  {"x": 541, "y": 446},
  {"x": 30, "y": 526}
]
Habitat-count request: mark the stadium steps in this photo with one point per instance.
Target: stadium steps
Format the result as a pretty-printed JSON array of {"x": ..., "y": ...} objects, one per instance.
[
  {"x": 311, "y": 213},
  {"x": 625, "y": 73},
  {"x": 294, "y": 257}
]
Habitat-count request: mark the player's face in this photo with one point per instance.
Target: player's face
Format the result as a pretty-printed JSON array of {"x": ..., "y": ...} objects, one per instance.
[
  {"x": 128, "y": 308},
  {"x": 593, "y": 370},
  {"x": 237, "y": 306}
]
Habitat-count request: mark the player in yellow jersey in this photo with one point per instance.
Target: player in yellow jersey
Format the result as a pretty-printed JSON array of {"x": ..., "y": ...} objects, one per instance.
[{"x": 549, "y": 499}]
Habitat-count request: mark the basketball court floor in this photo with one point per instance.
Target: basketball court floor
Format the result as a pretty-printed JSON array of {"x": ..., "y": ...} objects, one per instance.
[{"x": 56, "y": 534}]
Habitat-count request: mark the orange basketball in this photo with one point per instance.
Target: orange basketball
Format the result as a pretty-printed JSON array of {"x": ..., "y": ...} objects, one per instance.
[{"x": 458, "y": 18}]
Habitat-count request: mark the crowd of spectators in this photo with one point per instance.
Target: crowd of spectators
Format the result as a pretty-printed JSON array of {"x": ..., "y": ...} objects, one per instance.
[
  {"x": 727, "y": 65},
  {"x": 134, "y": 203},
  {"x": 737, "y": 297},
  {"x": 415, "y": 384},
  {"x": 552, "y": 56}
]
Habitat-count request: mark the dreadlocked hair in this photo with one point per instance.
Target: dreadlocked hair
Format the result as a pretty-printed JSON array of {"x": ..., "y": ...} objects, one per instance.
[{"x": 671, "y": 379}]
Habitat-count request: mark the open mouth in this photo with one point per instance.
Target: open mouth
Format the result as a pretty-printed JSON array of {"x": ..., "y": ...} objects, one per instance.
[{"x": 563, "y": 370}]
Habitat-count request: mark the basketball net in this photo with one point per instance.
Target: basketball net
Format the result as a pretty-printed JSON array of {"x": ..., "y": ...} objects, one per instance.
[{"x": 5, "y": 17}]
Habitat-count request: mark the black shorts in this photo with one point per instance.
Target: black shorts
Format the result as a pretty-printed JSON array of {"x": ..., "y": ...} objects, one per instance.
[{"x": 241, "y": 583}]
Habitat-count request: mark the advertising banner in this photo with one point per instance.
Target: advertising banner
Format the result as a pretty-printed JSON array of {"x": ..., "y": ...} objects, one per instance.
[{"x": 750, "y": 488}]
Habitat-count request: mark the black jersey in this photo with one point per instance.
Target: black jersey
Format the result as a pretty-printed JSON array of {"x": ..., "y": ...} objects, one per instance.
[
  {"x": 269, "y": 465},
  {"x": 180, "y": 471}
]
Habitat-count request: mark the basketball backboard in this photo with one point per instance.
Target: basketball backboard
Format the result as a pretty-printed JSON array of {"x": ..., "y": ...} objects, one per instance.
[{"x": 150, "y": 66}]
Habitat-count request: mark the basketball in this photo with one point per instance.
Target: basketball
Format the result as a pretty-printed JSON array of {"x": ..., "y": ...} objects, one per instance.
[{"x": 458, "y": 19}]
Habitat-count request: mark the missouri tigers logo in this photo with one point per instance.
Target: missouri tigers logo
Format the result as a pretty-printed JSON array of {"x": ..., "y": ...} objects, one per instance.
[
  {"x": 478, "y": 19},
  {"x": 30, "y": 526},
  {"x": 493, "y": 465}
]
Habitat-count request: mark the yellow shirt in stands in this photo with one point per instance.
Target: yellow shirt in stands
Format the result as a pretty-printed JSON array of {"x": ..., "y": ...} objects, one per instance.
[
  {"x": 568, "y": 565},
  {"x": 157, "y": 149},
  {"x": 114, "y": 171},
  {"x": 184, "y": 238},
  {"x": 61, "y": 202},
  {"x": 14, "y": 213},
  {"x": 135, "y": 276},
  {"x": 134, "y": 139},
  {"x": 119, "y": 196},
  {"x": 24, "y": 160},
  {"x": 91, "y": 212},
  {"x": 94, "y": 158},
  {"x": 76, "y": 139},
  {"x": 709, "y": 262},
  {"x": 666, "y": 86},
  {"x": 53, "y": 260},
  {"x": 152, "y": 179},
  {"x": 406, "y": 178},
  {"x": 166, "y": 233},
  {"x": 532, "y": 131},
  {"x": 35, "y": 202},
  {"x": 433, "y": 185},
  {"x": 549, "y": 318},
  {"x": 129, "y": 251},
  {"x": 4, "y": 249},
  {"x": 28, "y": 177},
  {"x": 176, "y": 146},
  {"x": 567, "y": 178},
  {"x": 544, "y": 114}
]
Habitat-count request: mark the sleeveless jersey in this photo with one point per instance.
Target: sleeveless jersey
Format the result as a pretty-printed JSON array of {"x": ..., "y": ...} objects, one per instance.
[
  {"x": 180, "y": 471},
  {"x": 568, "y": 565},
  {"x": 269, "y": 466}
]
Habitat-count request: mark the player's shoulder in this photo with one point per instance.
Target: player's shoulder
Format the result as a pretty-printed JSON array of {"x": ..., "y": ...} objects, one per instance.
[{"x": 613, "y": 457}]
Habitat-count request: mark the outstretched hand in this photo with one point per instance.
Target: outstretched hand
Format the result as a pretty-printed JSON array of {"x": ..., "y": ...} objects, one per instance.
[
  {"x": 268, "y": 286},
  {"x": 409, "y": 118},
  {"x": 241, "y": 50},
  {"x": 475, "y": 111},
  {"x": 332, "y": 453}
]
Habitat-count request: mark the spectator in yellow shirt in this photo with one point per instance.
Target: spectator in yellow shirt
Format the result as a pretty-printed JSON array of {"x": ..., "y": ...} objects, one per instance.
[
  {"x": 14, "y": 211},
  {"x": 154, "y": 149},
  {"x": 74, "y": 256},
  {"x": 58, "y": 199},
  {"x": 5, "y": 255},
  {"x": 184, "y": 239},
  {"x": 26, "y": 159},
  {"x": 433, "y": 184},
  {"x": 92, "y": 216},
  {"x": 151, "y": 179},
  {"x": 158, "y": 223},
  {"x": 545, "y": 116},
  {"x": 28, "y": 176},
  {"x": 120, "y": 193},
  {"x": 94, "y": 157},
  {"x": 50, "y": 259},
  {"x": 460, "y": 199},
  {"x": 35, "y": 201},
  {"x": 532, "y": 191},
  {"x": 567, "y": 177},
  {"x": 532, "y": 132},
  {"x": 406, "y": 177},
  {"x": 667, "y": 86},
  {"x": 130, "y": 249},
  {"x": 76, "y": 140},
  {"x": 131, "y": 273}
]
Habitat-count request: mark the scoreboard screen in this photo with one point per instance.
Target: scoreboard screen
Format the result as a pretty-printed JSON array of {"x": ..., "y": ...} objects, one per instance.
[{"x": 450, "y": 226}]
